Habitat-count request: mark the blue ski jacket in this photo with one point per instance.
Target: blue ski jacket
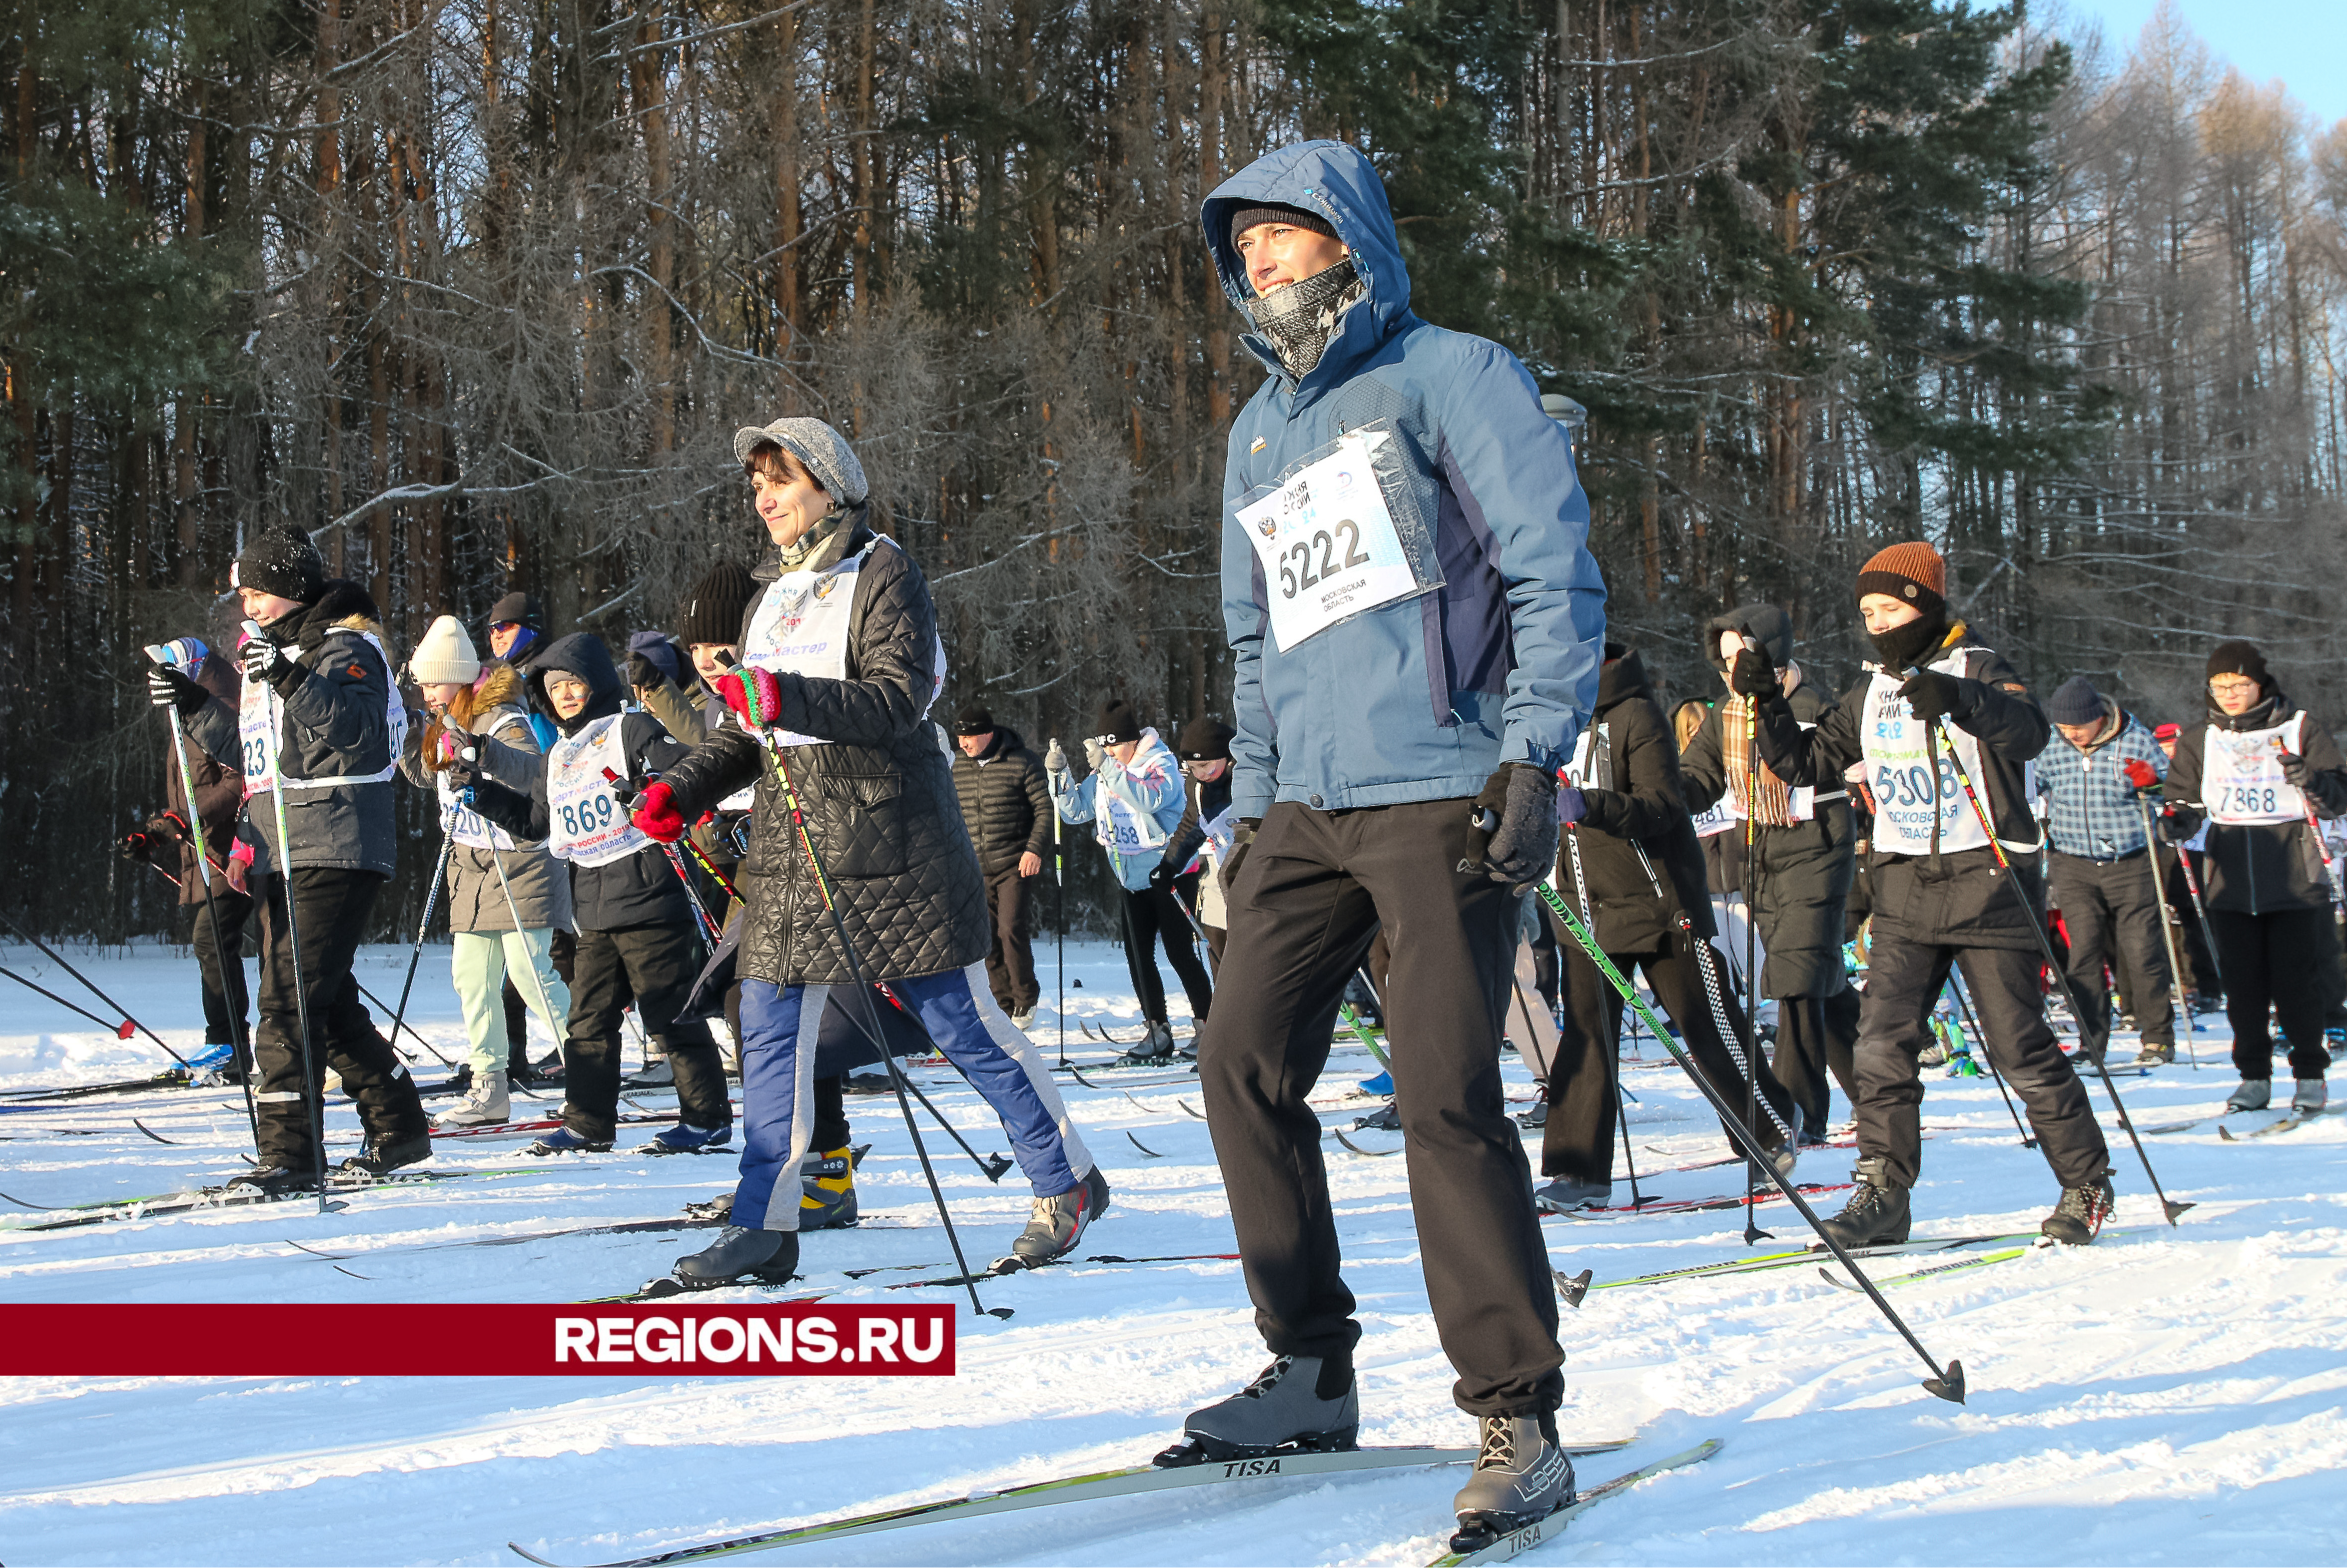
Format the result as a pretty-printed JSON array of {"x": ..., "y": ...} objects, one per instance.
[{"x": 1422, "y": 699}]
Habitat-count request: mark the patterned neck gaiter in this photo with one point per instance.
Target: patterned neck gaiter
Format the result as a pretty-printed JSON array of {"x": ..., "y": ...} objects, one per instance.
[{"x": 1301, "y": 318}]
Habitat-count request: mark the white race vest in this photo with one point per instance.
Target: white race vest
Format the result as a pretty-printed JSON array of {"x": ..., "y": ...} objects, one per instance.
[
  {"x": 259, "y": 733},
  {"x": 1327, "y": 543},
  {"x": 588, "y": 824},
  {"x": 1902, "y": 776},
  {"x": 1716, "y": 819},
  {"x": 802, "y": 625},
  {"x": 2240, "y": 775},
  {"x": 470, "y": 828}
]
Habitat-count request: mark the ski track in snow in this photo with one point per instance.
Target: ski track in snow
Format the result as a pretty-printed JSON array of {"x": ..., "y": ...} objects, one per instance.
[{"x": 2165, "y": 1396}]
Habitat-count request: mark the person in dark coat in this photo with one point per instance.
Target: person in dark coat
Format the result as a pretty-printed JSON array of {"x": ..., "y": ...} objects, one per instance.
[
  {"x": 1193, "y": 855},
  {"x": 636, "y": 932},
  {"x": 2205, "y": 988},
  {"x": 2259, "y": 772},
  {"x": 1796, "y": 874},
  {"x": 1936, "y": 700},
  {"x": 1007, "y": 807},
  {"x": 859, "y": 868},
  {"x": 166, "y": 841},
  {"x": 318, "y": 723},
  {"x": 1633, "y": 869}
]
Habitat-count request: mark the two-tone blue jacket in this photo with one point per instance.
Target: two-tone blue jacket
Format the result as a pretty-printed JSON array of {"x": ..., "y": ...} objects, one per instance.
[{"x": 1422, "y": 699}]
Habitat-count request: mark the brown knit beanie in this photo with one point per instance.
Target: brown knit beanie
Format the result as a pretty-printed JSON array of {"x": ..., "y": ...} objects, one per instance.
[{"x": 1913, "y": 573}]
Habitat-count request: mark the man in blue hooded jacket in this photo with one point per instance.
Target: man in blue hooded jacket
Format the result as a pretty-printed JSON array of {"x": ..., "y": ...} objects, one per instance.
[{"x": 1417, "y": 624}]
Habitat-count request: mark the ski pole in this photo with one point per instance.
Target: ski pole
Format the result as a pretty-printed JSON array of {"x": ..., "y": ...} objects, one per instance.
[
  {"x": 2199, "y": 909},
  {"x": 382, "y": 1006},
  {"x": 1622, "y": 1113},
  {"x": 54, "y": 957},
  {"x": 2175, "y": 1001},
  {"x": 897, "y": 1077},
  {"x": 536, "y": 981},
  {"x": 1947, "y": 1383},
  {"x": 2313, "y": 827},
  {"x": 708, "y": 928},
  {"x": 1361, "y": 1028},
  {"x": 237, "y": 1041},
  {"x": 1752, "y": 1231},
  {"x": 1059, "y": 883},
  {"x": 1956, "y": 989},
  {"x": 2045, "y": 946},
  {"x": 119, "y": 1031},
  {"x": 431, "y": 902},
  {"x": 314, "y": 1104}
]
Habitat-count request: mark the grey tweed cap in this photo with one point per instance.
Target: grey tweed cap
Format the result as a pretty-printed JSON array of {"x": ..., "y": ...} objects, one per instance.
[{"x": 823, "y": 451}]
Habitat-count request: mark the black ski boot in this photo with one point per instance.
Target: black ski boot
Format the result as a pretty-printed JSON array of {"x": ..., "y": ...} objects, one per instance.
[
  {"x": 272, "y": 1181},
  {"x": 1385, "y": 1118},
  {"x": 741, "y": 1256},
  {"x": 1876, "y": 1214},
  {"x": 1298, "y": 1404},
  {"x": 1522, "y": 1476},
  {"x": 382, "y": 1156},
  {"x": 827, "y": 1191},
  {"x": 1154, "y": 1049},
  {"x": 2078, "y": 1218},
  {"x": 1563, "y": 1195}
]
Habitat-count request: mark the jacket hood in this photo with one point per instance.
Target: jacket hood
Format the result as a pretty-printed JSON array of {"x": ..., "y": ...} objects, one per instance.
[
  {"x": 581, "y": 653},
  {"x": 1771, "y": 625},
  {"x": 499, "y": 686},
  {"x": 1622, "y": 678},
  {"x": 343, "y": 603},
  {"x": 1006, "y": 741},
  {"x": 1339, "y": 183}
]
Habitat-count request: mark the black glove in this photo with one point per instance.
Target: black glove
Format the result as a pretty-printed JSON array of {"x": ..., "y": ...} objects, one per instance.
[
  {"x": 264, "y": 660},
  {"x": 1931, "y": 695},
  {"x": 135, "y": 847},
  {"x": 166, "y": 830},
  {"x": 1242, "y": 840},
  {"x": 462, "y": 773},
  {"x": 167, "y": 686},
  {"x": 1161, "y": 876},
  {"x": 1516, "y": 815},
  {"x": 1754, "y": 673},
  {"x": 2294, "y": 770},
  {"x": 643, "y": 672}
]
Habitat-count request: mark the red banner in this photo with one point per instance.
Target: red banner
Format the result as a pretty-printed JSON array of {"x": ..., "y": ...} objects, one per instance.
[{"x": 664, "y": 1340}]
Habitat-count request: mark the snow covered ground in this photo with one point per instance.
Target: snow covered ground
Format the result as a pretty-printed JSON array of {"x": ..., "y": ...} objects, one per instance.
[{"x": 2167, "y": 1396}]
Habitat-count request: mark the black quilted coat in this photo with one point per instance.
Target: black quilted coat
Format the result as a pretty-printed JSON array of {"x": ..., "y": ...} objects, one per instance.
[{"x": 879, "y": 799}]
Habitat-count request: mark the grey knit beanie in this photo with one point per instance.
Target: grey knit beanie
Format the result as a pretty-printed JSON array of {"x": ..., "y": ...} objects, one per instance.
[{"x": 822, "y": 450}]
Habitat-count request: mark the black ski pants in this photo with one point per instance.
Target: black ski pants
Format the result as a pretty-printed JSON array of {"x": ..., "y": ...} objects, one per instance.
[
  {"x": 1690, "y": 984},
  {"x": 1011, "y": 961},
  {"x": 2271, "y": 960},
  {"x": 330, "y": 908},
  {"x": 1309, "y": 897},
  {"x": 1151, "y": 916},
  {"x": 1817, "y": 1035},
  {"x": 657, "y": 965},
  {"x": 1903, "y": 980},
  {"x": 227, "y": 999},
  {"x": 2113, "y": 911}
]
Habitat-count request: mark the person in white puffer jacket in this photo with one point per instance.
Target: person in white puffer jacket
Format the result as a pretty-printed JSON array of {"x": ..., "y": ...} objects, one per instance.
[{"x": 1134, "y": 798}]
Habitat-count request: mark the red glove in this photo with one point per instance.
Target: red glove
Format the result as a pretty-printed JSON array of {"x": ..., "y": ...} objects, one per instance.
[
  {"x": 742, "y": 687},
  {"x": 657, "y": 815},
  {"x": 2140, "y": 774}
]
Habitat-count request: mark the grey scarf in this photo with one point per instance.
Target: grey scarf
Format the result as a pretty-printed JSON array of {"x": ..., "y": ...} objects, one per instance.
[{"x": 1301, "y": 318}]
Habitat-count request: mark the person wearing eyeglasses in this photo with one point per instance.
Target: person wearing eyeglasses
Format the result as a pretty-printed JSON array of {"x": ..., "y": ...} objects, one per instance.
[{"x": 2260, "y": 772}]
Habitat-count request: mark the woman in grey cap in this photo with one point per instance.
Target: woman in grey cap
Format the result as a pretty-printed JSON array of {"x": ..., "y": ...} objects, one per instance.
[{"x": 841, "y": 663}]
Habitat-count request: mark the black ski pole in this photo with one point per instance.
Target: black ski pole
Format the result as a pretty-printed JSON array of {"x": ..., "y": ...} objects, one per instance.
[
  {"x": 2175, "y": 1001},
  {"x": 1956, "y": 988},
  {"x": 113, "y": 1029},
  {"x": 1622, "y": 1115},
  {"x": 431, "y": 902},
  {"x": 1946, "y": 1383},
  {"x": 991, "y": 1169},
  {"x": 2053, "y": 967},
  {"x": 56, "y": 958},
  {"x": 1752, "y": 1232},
  {"x": 382, "y": 1006}
]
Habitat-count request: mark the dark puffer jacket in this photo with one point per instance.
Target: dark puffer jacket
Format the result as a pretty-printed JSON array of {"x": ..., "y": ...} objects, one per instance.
[
  {"x": 879, "y": 799},
  {"x": 1005, "y": 803},
  {"x": 1955, "y": 899},
  {"x": 336, "y": 697},
  {"x": 1799, "y": 875},
  {"x": 2258, "y": 868},
  {"x": 641, "y": 889},
  {"x": 1638, "y": 852}
]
